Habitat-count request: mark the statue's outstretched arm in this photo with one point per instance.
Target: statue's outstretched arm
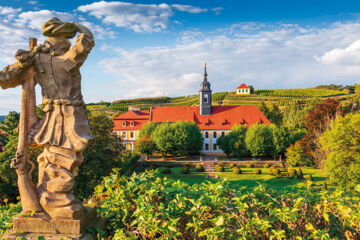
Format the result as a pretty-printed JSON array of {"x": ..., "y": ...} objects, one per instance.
[
  {"x": 83, "y": 45},
  {"x": 14, "y": 75}
]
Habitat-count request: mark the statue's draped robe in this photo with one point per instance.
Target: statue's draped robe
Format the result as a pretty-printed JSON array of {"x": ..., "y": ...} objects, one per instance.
[{"x": 63, "y": 131}]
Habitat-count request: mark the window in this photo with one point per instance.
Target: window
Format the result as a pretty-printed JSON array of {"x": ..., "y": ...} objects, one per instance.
[
  {"x": 124, "y": 123},
  {"x": 206, "y": 134},
  {"x": 206, "y": 146},
  {"x": 222, "y": 133},
  {"x": 132, "y": 123},
  {"x": 131, "y": 134},
  {"x": 214, "y": 146},
  {"x": 123, "y": 134},
  {"x": 214, "y": 134},
  {"x": 205, "y": 98}
]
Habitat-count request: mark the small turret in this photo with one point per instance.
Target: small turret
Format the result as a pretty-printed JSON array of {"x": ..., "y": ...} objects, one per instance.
[{"x": 205, "y": 96}]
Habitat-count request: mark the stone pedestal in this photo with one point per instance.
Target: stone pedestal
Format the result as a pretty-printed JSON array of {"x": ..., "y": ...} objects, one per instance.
[{"x": 32, "y": 227}]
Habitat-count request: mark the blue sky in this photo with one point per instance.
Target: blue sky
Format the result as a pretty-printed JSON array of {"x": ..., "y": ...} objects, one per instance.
[{"x": 157, "y": 48}]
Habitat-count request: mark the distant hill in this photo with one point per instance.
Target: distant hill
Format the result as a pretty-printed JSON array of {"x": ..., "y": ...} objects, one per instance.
[{"x": 279, "y": 96}]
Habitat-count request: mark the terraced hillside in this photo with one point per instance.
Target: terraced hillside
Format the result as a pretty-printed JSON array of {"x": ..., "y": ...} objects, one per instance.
[{"x": 279, "y": 96}]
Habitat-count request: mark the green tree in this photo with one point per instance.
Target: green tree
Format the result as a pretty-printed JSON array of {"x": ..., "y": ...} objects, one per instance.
[
  {"x": 341, "y": 142},
  {"x": 164, "y": 137},
  {"x": 105, "y": 153},
  {"x": 148, "y": 129},
  {"x": 225, "y": 143},
  {"x": 9, "y": 126},
  {"x": 259, "y": 140},
  {"x": 281, "y": 140},
  {"x": 145, "y": 145},
  {"x": 357, "y": 89},
  {"x": 296, "y": 156},
  {"x": 237, "y": 136},
  {"x": 188, "y": 137},
  {"x": 272, "y": 112}
]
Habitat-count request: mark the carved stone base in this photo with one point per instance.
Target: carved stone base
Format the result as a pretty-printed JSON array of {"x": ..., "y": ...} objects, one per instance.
[{"x": 31, "y": 227}]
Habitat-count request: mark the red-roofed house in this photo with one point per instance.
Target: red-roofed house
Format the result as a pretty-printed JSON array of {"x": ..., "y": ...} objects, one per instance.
[
  {"x": 243, "y": 89},
  {"x": 128, "y": 124},
  {"x": 213, "y": 121}
]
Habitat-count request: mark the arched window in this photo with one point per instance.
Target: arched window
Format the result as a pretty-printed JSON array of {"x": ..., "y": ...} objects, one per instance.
[
  {"x": 124, "y": 123},
  {"x": 132, "y": 123}
]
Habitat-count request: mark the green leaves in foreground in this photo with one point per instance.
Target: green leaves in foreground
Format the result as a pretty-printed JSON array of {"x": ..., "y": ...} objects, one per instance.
[{"x": 147, "y": 206}]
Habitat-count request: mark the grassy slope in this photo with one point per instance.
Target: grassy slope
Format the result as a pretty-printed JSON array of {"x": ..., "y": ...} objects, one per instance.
[{"x": 279, "y": 96}]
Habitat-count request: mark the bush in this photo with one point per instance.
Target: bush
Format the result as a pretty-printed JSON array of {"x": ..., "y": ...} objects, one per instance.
[
  {"x": 292, "y": 172},
  {"x": 296, "y": 156},
  {"x": 275, "y": 171},
  {"x": 311, "y": 178},
  {"x": 250, "y": 165},
  {"x": 166, "y": 170},
  {"x": 199, "y": 168},
  {"x": 236, "y": 170},
  {"x": 232, "y": 165},
  {"x": 146, "y": 196},
  {"x": 185, "y": 169},
  {"x": 300, "y": 174},
  {"x": 219, "y": 168},
  {"x": 267, "y": 165},
  {"x": 257, "y": 171},
  {"x": 324, "y": 186}
]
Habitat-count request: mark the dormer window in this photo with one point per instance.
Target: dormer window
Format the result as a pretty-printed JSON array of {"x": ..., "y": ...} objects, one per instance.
[
  {"x": 124, "y": 123},
  {"x": 132, "y": 123}
]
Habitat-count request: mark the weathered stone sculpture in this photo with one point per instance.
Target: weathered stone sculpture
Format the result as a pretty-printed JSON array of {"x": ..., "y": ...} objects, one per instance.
[{"x": 63, "y": 131}]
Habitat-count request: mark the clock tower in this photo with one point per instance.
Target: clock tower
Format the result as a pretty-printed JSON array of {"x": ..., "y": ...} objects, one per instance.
[{"x": 205, "y": 96}]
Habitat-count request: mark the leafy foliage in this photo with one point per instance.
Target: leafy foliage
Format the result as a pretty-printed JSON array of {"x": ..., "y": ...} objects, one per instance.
[
  {"x": 145, "y": 145},
  {"x": 7, "y": 212},
  {"x": 259, "y": 140},
  {"x": 271, "y": 112},
  {"x": 296, "y": 156},
  {"x": 105, "y": 153},
  {"x": 146, "y": 206},
  {"x": 300, "y": 92},
  {"x": 280, "y": 139},
  {"x": 341, "y": 142}
]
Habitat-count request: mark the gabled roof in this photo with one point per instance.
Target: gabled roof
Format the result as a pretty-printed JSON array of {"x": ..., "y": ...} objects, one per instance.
[
  {"x": 242, "y": 86},
  {"x": 133, "y": 115},
  {"x": 139, "y": 118},
  {"x": 222, "y": 117}
]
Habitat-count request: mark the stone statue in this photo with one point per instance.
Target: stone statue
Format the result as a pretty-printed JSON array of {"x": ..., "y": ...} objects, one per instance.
[{"x": 64, "y": 130}]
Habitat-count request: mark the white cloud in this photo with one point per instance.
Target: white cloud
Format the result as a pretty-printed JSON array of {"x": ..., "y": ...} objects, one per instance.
[
  {"x": 343, "y": 56},
  {"x": 148, "y": 92},
  {"x": 217, "y": 10},
  {"x": 188, "y": 8},
  {"x": 137, "y": 17},
  {"x": 266, "y": 56}
]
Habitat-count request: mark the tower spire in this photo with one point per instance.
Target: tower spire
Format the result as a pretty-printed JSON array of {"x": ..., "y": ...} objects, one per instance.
[{"x": 205, "y": 73}]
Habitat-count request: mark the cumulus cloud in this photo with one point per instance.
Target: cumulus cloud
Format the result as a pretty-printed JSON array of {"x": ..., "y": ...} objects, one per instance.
[
  {"x": 217, "y": 10},
  {"x": 266, "y": 56},
  {"x": 137, "y": 17},
  {"x": 149, "y": 92},
  {"x": 343, "y": 56}
]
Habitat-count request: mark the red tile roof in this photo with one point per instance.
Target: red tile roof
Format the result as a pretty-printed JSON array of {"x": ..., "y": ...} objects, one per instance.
[
  {"x": 242, "y": 86},
  {"x": 138, "y": 117},
  {"x": 222, "y": 117}
]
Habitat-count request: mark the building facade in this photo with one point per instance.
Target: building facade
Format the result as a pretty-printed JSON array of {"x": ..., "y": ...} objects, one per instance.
[
  {"x": 243, "y": 89},
  {"x": 213, "y": 121}
]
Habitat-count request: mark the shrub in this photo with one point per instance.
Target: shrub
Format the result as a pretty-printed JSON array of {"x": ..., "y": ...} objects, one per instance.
[
  {"x": 296, "y": 156},
  {"x": 236, "y": 170},
  {"x": 250, "y": 165},
  {"x": 275, "y": 171},
  {"x": 324, "y": 186},
  {"x": 199, "y": 168},
  {"x": 311, "y": 178},
  {"x": 267, "y": 165},
  {"x": 185, "y": 169},
  {"x": 257, "y": 171},
  {"x": 300, "y": 174},
  {"x": 232, "y": 165},
  {"x": 219, "y": 168},
  {"x": 166, "y": 170},
  {"x": 146, "y": 196},
  {"x": 292, "y": 172}
]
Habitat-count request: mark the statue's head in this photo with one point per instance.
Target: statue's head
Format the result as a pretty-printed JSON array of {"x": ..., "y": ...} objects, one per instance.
[{"x": 58, "y": 34}]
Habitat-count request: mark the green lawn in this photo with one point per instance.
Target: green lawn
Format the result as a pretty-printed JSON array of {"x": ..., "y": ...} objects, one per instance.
[{"x": 248, "y": 179}]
